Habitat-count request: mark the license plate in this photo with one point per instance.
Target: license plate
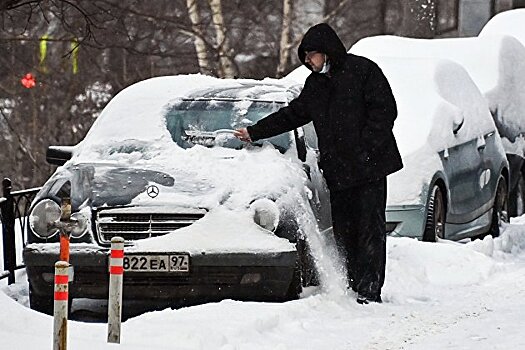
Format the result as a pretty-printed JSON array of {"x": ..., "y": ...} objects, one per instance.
[{"x": 157, "y": 263}]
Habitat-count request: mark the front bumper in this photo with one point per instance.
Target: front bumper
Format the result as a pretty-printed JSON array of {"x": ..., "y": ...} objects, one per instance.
[
  {"x": 242, "y": 276},
  {"x": 406, "y": 220}
]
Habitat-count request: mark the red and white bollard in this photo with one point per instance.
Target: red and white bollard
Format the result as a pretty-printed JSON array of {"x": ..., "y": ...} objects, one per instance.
[
  {"x": 60, "y": 305},
  {"x": 116, "y": 270}
]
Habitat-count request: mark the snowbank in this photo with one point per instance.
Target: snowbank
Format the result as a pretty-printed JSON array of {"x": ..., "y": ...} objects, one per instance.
[
  {"x": 431, "y": 290},
  {"x": 511, "y": 240}
]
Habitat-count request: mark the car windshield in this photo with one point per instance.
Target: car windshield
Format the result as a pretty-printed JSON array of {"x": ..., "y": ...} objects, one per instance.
[{"x": 211, "y": 122}]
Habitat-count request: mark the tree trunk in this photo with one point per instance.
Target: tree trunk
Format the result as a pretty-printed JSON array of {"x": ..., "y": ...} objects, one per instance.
[
  {"x": 227, "y": 67},
  {"x": 285, "y": 44},
  {"x": 200, "y": 45},
  {"x": 382, "y": 15},
  {"x": 419, "y": 18}
]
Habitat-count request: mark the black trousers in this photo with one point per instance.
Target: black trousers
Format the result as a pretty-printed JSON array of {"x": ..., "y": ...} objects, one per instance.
[{"x": 358, "y": 217}]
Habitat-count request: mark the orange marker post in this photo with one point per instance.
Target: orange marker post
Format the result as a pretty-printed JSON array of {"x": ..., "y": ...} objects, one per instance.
[
  {"x": 64, "y": 236},
  {"x": 64, "y": 246},
  {"x": 60, "y": 305},
  {"x": 116, "y": 270}
]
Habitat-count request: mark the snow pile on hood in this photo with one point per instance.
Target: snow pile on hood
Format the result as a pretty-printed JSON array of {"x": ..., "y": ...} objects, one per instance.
[
  {"x": 507, "y": 23},
  {"x": 209, "y": 177},
  {"x": 222, "y": 180},
  {"x": 495, "y": 63}
]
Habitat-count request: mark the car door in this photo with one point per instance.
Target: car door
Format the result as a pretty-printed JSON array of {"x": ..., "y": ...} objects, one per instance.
[
  {"x": 492, "y": 156},
  {"x": 472, "y": 174},
  {"x": 463, "y": 166}
]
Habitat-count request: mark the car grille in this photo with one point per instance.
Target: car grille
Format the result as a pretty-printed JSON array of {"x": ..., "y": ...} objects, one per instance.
[{"x": 133, "y": 226}]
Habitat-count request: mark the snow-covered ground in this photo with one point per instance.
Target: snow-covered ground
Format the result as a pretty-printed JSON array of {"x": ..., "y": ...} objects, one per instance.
[{"x": 444, "y": 295}]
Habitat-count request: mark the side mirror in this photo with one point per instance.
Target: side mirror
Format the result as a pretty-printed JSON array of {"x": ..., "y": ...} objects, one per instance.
[
  {"x": 59, "y": 155},
  {"x": 457, "y": 124}
]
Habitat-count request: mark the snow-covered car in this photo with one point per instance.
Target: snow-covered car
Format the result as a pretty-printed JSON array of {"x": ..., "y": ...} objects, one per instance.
[
  {"x": 454, "y": 181},
  {"x": 204, "y": 216},
  {"x": 496, "y": 63}
]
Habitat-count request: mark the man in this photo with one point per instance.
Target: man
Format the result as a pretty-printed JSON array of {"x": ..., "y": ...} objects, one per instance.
[{"x": 353, "y": 110}]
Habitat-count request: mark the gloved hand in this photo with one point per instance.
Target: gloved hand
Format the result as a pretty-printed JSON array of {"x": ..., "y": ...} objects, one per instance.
[{"x": 242, "y": 134}]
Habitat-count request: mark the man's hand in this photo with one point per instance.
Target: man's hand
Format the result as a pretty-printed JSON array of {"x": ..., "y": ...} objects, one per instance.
[{"x": 242, "y": 134}]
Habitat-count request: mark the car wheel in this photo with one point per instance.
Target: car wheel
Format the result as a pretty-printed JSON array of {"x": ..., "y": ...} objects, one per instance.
[
  {"x": 44, "y": 304},
  {"x": 436, "y": 214},
  {"x": 517, "y": 200},
  {"x": 500, "y": 209}
]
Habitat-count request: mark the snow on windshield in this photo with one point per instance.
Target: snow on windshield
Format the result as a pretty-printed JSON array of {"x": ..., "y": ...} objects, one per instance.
[
  {"x": 211, "y": 122},
  {"x": 495, "y": 63},
  {"x": 138, "y": 112}
]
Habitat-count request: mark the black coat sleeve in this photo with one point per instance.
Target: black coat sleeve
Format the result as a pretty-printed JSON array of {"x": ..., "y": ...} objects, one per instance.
[
  {"x": 285, "y": 119},
  {"x": 381, "y": 111}
]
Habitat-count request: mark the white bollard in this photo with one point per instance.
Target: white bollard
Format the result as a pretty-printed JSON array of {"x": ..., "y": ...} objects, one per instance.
[
  {"x": 60, "y": 305},
  {"x": 116, "y": 271}
]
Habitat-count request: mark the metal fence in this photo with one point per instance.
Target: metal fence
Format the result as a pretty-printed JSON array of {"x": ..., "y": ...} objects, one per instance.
[{"x": 13, "y": 206}]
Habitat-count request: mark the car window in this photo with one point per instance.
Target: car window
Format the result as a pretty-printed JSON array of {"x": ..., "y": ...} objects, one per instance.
[{"x": 210, "y": 122}]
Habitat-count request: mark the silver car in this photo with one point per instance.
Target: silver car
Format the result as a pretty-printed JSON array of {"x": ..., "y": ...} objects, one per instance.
[{"x": 454, "y": 183}]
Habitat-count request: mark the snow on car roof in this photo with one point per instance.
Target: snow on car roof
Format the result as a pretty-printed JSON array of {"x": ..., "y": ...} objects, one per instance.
[
  {"x": 146, "y": 100},
  {"x": 431, "y": 94},
  {"x": 495, "y": 63},
  {"x": 507, "y": 22}
]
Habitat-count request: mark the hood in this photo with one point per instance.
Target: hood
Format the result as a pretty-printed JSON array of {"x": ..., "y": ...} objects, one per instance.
[
  {"x": 197, "y": 177},
  {"x": 322, "y": 38}
]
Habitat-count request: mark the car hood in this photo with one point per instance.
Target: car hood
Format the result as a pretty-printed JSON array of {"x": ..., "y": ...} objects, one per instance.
[{"x": 198, "y": 177}]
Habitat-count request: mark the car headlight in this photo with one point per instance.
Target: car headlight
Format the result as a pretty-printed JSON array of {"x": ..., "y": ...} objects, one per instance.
[
  {"x": 43, "y": 218},
  {"x": 79, "y": 225},
  {"x": 265, "y": 214}
]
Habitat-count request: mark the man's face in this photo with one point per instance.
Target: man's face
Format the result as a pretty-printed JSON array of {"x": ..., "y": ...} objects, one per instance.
[{"x": 315, "y": 60}]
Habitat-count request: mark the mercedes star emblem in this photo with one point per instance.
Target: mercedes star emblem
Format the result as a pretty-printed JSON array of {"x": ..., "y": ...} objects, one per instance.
[{"x": 152, "y": 191}]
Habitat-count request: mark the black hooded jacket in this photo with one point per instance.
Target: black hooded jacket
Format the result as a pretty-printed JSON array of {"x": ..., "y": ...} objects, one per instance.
[{"x": 352, "y": 109}]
